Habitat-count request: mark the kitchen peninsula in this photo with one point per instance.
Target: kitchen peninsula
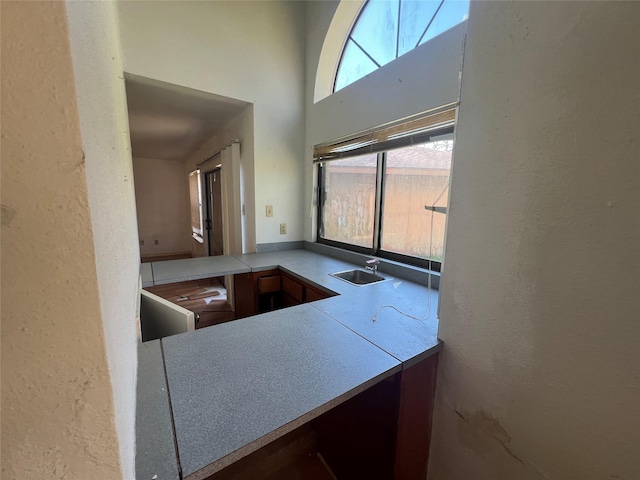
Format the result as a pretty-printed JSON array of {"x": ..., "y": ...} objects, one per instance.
[{"x": 211, "y": 398}]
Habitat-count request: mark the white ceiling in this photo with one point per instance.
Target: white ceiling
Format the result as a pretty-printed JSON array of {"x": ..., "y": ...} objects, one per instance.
[{"x": 170, "y": 122}]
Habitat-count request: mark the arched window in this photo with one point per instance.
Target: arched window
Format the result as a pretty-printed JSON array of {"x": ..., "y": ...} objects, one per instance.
[{"x": 387, "y": 29}]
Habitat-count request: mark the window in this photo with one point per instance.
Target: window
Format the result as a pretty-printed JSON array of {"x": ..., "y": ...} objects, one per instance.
[
  {"x": 385, "y": 193},
  {"x": 195, "y": 196},
  {"x": 349, "y": 192},
  {"x": 416, "y": 178},
  {"x": 387, "y": 29}
]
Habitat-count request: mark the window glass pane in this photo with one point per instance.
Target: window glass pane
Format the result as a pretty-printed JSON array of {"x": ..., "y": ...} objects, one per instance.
[
  {"x": 350, "y": 192},
  {"x": 451, "y": 13},
  {"x": 354, "y": 66},
  {"x": 416, "y": 176},
  {"x": 415, "y": 15},
  {"x": 195, "y": 196},
  {"x": 377, "y": 30}
]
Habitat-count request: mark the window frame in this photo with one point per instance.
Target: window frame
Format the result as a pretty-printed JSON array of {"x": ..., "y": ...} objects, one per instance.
[
  {"x": 195, "y": 190},
  {"x": 378, "y": 228},
  {"x": 365, "y": 49}
]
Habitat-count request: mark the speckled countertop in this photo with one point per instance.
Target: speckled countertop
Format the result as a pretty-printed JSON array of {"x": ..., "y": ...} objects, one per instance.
[{"x": 237, "y": 386}]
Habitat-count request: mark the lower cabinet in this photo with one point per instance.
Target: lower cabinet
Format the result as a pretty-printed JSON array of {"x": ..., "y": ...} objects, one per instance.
[
  {"x": 292, "y": 291},
  {"x": 313, "y": 294},
  {"x": 267, "y": 290},
  {"x": 260, "y": 292},
  {"x": 382, "y": 433}
]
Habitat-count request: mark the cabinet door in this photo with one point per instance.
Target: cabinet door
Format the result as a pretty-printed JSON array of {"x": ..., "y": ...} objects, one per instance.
[
  {"x": 288, "y": 300},
  {"x": 313, "y": 294},
  {"x": 293, "y": 288},
  {"x": 245, "y": 301},
  {"x": 415, "y": 415}
]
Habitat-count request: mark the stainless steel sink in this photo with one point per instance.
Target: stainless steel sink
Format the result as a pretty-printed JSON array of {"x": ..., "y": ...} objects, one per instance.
[{"x": 358, "y": 277}]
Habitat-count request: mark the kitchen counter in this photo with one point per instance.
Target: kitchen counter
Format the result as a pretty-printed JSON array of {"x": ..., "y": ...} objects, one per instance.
[
  {"x": 171, "y": 271},
  {"x": 407, "y": 339},
  {"x": 237, "y": 386},
  {"x": 155, "y": 447}
]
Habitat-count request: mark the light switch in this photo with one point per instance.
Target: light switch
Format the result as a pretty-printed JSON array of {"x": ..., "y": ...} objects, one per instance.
[{"x": 269, "y": 210}]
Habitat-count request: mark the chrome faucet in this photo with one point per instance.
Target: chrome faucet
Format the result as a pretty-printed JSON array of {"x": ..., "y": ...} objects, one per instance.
[{"x": 372, "y": 265}]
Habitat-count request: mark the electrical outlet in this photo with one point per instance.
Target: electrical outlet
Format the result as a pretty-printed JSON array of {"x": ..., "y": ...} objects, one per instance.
[
  {"x": 156, "y": 242},
  {"x": 269, "y": 210},
  {"x": 283, "y": 228}
]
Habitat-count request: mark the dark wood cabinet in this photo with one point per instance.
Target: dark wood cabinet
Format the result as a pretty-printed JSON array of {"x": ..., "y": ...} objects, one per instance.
[
  {"x": 244, "y": 297},
  {"x": 257, "y": 292},
  {"x": 293, "y": 290},
  {"x": 269, "y": 290},
  {"x": 268, "y": 283},
  {"x": 301, "y": 291},
  {"x": 267, "y": 286},
  {"x": 313, "y": 294}
]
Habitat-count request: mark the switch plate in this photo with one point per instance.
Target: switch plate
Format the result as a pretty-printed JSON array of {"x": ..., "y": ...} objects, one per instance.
[
  {"x": 283, "y": 228},
  {"x": 269, "y": 210}
]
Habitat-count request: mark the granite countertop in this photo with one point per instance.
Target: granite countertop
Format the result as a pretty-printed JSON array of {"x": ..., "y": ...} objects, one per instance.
[
  {"x": 407, "y": 339},
  {"x": 237, "y": 386}
]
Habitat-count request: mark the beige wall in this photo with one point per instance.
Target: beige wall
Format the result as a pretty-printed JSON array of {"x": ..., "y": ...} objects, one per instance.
[
  {"x": 162, "y": 204},
  {"x": 252, "y": 51},
  {"x": 539, "y": 309},
  {"x": 57, "y": 404}
]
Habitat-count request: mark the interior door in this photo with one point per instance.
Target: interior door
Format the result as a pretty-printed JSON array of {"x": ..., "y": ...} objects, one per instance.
[{"x": 213, "y": 222}]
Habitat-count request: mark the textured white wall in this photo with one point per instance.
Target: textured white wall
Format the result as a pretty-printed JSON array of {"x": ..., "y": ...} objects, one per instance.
[
  {"x": 251, "y": 51},
  {"x": 421, "y": 80},
  {"x": 539, "y": 308},
  {"x": 162, "y": 205},
  {"x": 57, "y": 401},
  {"x": 105, "y": 138}
]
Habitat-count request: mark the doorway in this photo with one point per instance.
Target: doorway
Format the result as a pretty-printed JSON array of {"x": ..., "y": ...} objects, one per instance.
[{"x": 213, "y": 220}]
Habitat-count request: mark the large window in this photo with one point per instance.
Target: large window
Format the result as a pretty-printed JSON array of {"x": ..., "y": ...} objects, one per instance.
[
  {"x": 387, "y": 29},
  {"x": 391, "y": 203}
]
